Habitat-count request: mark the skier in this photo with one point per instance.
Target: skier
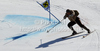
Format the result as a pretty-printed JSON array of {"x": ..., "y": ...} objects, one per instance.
[{"x": 74, "y": 19}]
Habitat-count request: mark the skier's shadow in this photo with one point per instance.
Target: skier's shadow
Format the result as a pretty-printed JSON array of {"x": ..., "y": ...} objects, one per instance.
[{"x": 55, "y": 41}]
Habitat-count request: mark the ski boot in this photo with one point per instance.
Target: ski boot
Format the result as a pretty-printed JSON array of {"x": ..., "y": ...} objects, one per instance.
[
  {"x": 88, "y": 30},
  {"x": 74, "y": 33}
]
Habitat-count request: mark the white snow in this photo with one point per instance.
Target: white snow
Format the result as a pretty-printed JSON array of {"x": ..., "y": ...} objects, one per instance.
[{"x": 25, "y": 17}]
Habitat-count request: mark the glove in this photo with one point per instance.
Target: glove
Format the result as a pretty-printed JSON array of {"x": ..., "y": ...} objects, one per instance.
[{"x": 64, "y": 17}]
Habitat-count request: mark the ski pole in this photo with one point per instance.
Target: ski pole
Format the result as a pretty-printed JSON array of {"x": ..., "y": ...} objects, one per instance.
[{"x": 55, "y": 25}]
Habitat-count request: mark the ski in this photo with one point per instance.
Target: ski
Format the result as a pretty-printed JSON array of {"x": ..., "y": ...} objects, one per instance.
[
  {"x": 88, "y": 34},
  {"x": 72, "y": 35}
]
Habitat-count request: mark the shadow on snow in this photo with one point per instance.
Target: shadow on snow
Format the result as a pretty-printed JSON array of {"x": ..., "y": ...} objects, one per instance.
[{"x": 55, "y": 41}]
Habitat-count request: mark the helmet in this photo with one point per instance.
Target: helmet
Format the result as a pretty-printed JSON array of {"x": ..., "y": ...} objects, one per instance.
[{"x": 68, "y": 10}]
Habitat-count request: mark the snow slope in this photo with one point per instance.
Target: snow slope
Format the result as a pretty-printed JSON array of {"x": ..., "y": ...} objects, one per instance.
[{"x": 24, "y": 23}]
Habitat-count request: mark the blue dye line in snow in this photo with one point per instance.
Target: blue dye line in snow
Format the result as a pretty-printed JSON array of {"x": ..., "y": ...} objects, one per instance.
[
  {"x": 25, "y": 20},
  {"x": 19, "y": 19},
  {"x": 30, "y": 34}
]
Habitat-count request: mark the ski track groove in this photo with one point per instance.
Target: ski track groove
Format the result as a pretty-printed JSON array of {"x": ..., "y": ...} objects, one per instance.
[
  {"x": 91, "y": 41},
  {"x": 98, "y": 40},
  {"x": 83, "y": 44},
  {"x": 80, "y": 46},
  {"x": 97, "y": 44}
]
